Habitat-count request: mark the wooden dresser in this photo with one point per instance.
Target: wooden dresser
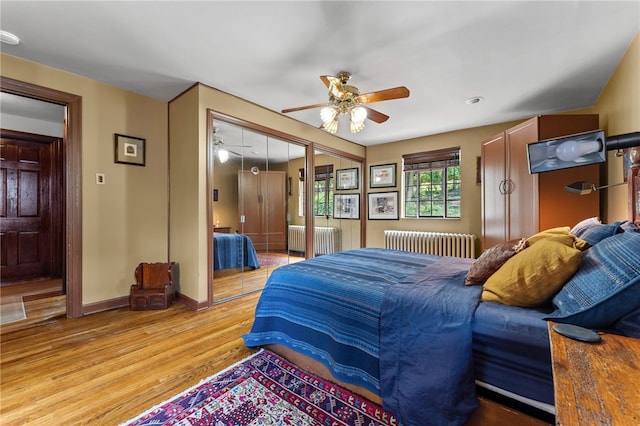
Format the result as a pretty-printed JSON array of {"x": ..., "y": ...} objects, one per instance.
[{"x": 596, "y": 383}]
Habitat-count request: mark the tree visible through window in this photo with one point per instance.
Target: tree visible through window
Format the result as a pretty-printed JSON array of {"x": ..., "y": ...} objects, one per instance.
[
  {"x": 322, "y": 190},
  {"x": 432, "y": 183}
]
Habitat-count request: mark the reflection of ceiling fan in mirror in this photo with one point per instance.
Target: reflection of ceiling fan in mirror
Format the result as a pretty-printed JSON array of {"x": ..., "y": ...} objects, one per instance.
[
  {"x": 220, "y": 147},
  {"x": 346, "y": 99}
]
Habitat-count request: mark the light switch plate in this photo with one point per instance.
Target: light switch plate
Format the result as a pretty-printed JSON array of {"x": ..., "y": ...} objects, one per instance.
[{"x": 99, "y": 178}]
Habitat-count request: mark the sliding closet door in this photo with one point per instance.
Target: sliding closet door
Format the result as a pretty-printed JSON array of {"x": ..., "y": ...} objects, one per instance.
[
  {"x": 251, "y": 203},
  {"x": 337, "y": 201}
]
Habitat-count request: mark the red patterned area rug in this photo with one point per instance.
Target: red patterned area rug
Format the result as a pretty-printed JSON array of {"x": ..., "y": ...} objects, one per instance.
[
  {"x": 269, "y": 260},
  {"x": 265, "y": 389}
]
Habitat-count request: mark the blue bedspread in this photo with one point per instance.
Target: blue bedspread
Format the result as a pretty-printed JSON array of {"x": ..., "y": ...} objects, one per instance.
[
  {"x": 426, "y": 361},
  {"x": 356, "y": 311},
  {"x": 233, "y": 251}
]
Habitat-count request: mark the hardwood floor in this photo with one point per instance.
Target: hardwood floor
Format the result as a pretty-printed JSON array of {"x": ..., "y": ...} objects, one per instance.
[
  {"x": 108, "y": 367},
  {"x": 230, "y": 283}
]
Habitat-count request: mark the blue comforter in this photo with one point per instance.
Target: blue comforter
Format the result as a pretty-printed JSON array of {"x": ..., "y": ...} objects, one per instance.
[
  {"x": 390, "y": 321},
  {"x": 233, "y": 251}
]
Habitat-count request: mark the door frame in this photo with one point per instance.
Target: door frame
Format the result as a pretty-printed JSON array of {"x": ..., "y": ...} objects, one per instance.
[{"x": 72, "y": 181}]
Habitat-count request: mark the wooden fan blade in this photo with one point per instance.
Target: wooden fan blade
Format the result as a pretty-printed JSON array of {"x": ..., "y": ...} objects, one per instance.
[
  {"x": 325, "y": 80},
  {"x": 374, "y": 115},
  {"x": 284, "y": 111},
  {"x": 383, "y": 95}
]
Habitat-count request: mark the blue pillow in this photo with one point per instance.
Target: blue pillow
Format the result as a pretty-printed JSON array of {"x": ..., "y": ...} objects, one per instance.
[
  {"x": 585, "y": 224},
  {"x": 606, "y": 287},
  {"x": 596, "y": 233}
]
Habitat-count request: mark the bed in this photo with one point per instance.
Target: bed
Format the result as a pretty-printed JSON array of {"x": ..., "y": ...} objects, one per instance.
[
  {"x": 406, "y": 329},
  {"x": 233, "y": 251}
]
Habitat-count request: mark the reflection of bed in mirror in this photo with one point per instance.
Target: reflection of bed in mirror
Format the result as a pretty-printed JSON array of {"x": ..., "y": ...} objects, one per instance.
[{"x": 233, "y": 251}]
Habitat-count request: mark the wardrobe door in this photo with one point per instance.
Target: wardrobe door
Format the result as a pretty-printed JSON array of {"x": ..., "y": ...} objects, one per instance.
[
  {"x": 250, "y": 207},
  {"x": 273, "y": 201},
  {"x": 522, "y": 187},
  {"x": 494, "y": 208}
]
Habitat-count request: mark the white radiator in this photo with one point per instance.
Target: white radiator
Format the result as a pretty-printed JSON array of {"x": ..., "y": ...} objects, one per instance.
[
  {"x": 296, "y": 238},
  {"x": 326, "y": 239},
  {"x": 437, "y": 243}
]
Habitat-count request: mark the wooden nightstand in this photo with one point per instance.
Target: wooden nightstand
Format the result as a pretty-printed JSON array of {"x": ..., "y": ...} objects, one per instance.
[
  {"x": 596, "y": 383},
  {"x": 222, "y": 229}
]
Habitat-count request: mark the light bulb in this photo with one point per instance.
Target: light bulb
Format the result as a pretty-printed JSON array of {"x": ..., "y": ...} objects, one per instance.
[
  {"x": 327, "y": 114},
  {"x": 358, "y": 115},
  {"x": 572, "y": 150},
  {"x": 223, "y": 155}
]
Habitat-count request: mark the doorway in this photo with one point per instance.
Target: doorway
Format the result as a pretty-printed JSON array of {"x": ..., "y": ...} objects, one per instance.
[
  {"x": 32, "y": 201},
  {"x": 71, "y": 174}
]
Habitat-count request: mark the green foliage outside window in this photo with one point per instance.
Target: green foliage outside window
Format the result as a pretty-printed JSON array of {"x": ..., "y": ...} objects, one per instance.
[
  {"x": 323, "y": 196},
  {"x": 432, "y": 192}
]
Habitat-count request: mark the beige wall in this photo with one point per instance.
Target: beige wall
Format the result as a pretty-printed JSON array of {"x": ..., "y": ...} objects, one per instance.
[
  {"x": 469, "y": 142},
  {"x": 619, "y": 109},
  {"x": 188, "y": 227},
  {"x": 125, "y": 221}
]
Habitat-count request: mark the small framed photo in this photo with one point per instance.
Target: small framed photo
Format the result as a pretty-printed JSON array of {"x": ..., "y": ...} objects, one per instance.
[
  {"x": 382, "y": 176},
  {"x": 383, "y": 205},
  {"x": 346, "y": 206},
  {"x": 129, "y": 150},
  {"x": 347, "y": 179}
]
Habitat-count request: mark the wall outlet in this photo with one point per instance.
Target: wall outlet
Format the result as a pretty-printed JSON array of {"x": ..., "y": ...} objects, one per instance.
[{"x": 99, "y": 178}]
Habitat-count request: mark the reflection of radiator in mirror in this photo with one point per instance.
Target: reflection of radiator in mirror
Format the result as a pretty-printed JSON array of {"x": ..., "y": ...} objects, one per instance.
[
  {"x": 326, "y": 239},
  {"x": 437, "y": 243}
]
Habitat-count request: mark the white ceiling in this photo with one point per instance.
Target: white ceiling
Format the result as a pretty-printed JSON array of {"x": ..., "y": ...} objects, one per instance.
[{"x": 524, "y": 58}]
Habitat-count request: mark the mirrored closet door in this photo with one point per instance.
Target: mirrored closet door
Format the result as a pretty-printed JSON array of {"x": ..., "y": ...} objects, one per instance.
[
  {"x": 252, "y": 204},
  {"x": 337, "y": 202}
]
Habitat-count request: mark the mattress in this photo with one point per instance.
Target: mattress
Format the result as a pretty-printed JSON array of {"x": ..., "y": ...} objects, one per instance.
[
  {"x": 511, "y": 348},
  {"x": 233, "y": 251}
]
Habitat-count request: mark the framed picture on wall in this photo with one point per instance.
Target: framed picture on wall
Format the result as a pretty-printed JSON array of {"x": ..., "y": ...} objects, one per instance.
[
  {"x": 347, "y": 179},
  {"x": 346, "y": 206},
  {"x": 129, "y": 150},
  {"x": 382, "y": 176},
  {"x": 383, "y": 205}
]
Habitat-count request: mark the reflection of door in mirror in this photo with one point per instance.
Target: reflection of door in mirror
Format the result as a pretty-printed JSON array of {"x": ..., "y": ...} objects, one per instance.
[{"x": 253, "y": 204}]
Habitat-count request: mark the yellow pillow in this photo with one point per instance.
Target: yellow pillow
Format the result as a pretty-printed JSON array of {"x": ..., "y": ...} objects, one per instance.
[
  {"x": 533, "y": 276},
  {"x": 561, "y": 234}
]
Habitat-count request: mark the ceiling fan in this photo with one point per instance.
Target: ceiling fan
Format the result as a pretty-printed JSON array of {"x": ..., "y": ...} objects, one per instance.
[
  {"x": 346, "y": 99},
  {"x": 218, "y": 143}
]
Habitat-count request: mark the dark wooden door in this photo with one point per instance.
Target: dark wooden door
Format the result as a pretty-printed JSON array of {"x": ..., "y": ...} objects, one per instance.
[{"x": 27, "y": 248}]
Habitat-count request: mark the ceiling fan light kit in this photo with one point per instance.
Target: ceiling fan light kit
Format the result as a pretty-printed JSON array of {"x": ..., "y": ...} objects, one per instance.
[
  {"x": 347, "y": 100},
  {"x": 223, "y": 155}
]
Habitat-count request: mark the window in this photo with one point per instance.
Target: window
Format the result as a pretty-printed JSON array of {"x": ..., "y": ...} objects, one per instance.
[
  {"x": 322, "y": 190},
  {"x": 432, "y": 183}
]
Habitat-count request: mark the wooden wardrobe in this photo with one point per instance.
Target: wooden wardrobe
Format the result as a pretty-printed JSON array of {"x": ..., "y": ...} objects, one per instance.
[
  {"x": 517, "y": 204},
  {"x": 263, "y": 206}
]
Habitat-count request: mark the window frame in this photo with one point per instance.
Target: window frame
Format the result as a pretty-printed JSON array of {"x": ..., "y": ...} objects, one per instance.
[{"x": 444, "y": 162}]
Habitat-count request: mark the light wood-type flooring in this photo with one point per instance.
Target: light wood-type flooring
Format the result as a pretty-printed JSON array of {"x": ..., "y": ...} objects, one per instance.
[
  {"x": 108, "y": 367},
  {"x": 105, "y": 368}
]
